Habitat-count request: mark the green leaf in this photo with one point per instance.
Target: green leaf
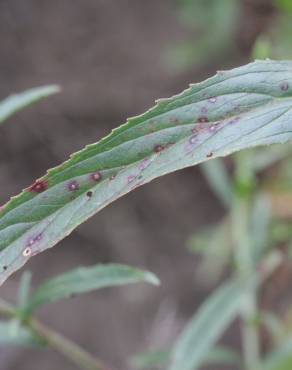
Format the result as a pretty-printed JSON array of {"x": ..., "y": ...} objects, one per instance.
[
  {"x": 218, "y": 179},
  {"x": 86, "y": 279},
  {"x": 245, "y": 107},
  {"x": 205, "y": 328},
  {"x": 150, "y": 360},
  {"x": 219, "y": 355},
  {"x": 260, "y": 227},
  {"x": 15, "y": 103},
  {"x": 279, "y": 359},
  {"x": 24, "y": 289},
  {"x": 11, "y": 333}
]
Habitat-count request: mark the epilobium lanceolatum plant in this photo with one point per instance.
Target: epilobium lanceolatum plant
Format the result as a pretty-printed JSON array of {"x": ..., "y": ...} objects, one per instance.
[{"x": 242, "y": 108}]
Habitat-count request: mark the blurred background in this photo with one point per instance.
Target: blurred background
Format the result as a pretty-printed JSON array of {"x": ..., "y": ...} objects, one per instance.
[{"x": 113, "y": 59}]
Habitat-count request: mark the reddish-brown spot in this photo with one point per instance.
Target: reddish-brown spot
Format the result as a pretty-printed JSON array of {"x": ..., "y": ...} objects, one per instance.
[
  {"x": 96, "y": 176},
  {"x": 38, "y": 186},
  {"x": 158, "y": 148},
  {"x": 73, "y": 185},
  {"x": 203, "y": 119}
]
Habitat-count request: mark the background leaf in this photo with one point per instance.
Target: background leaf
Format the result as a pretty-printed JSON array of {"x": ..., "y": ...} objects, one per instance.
[
  {"x": 207, "y": 325},
  {"x": 86, "y": 279},
  {"x": 11, "y": 333},
  {"x": 15, "y": 103}
]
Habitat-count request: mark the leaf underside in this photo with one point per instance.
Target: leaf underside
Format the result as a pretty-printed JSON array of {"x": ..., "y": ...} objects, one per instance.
[{"x": 245, "y": 107}]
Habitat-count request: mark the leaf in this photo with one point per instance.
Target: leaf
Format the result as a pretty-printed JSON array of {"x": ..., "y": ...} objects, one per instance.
[
  {"x": 245, "y": 107},
  {"x": 219, "y": 355},
  {"x": 86, "y": 279},
  {"x": 11, "y": 333},
  {"x": 279, "y": 359},
  {"x": 15, "y": 103},
  {"x": 24, "y": 289},
  {"x": 259, "y": 227},
  {"x": 207, "y": 325},
  {"x": 218, "y": 180},
  {"x": 150, "y": 360}
]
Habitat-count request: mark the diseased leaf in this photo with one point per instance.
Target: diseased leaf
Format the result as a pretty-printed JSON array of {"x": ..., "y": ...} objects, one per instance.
[
  {"x": 207, "y": 325},
  {"x": 86, "y": 279},
  {"x": 245, "y": 107},
  {"x": 15, "y": 103}
]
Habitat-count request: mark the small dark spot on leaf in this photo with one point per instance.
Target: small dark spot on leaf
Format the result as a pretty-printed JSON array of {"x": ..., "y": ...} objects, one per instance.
[
  {"x": 96, "y": 176},
  {"x": 89, "y": 194},
  {"x": 38, "y": 186},
  {"x": 209, "y": 155},
  {"x": 203, "y": 119},
  {"x": 158, "y": 148},
  {"x": 285, "y": 86},
  {"x": 4, "y": 268},
  {"x": 73, "y": 185}
]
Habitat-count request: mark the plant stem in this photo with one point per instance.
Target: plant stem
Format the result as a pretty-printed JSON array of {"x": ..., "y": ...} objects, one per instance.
[
  {"x": 244, "y": 262},
  {"x": 65, "y": 346},
  {"x": 56, "y": 341}
]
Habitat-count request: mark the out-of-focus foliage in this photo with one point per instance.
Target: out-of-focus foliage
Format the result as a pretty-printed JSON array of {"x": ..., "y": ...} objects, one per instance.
[
  {"x": 211, "y": 25},
  {"x": 276, "y": 41}
]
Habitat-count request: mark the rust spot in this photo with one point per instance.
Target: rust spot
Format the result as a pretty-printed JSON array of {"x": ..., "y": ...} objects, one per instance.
[
  {"x": 158, "y": 148},
  {"x": 96, "y": 176},
  {"x": 73, "y": 185},
  {"x": 38, "y": 186},
  {"x": 203, "y": 119}
]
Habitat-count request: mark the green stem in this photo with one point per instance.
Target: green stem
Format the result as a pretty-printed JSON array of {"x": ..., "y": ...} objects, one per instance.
[
  {"x": 244, "y": 262},
  {"x": 56, "y": 341}
]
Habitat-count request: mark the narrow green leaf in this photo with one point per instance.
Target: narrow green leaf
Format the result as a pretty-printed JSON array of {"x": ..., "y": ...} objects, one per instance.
[
  {"x": 15, "y": 103},
  {"x": 14, "y": 334},
  {"x": 86, "y": 279},
  {"x": 218, "y": 179},
  {"x": 150, "y": 360},
  {"x": 205, "y": 328},
  {"x": 24, "y": 289},
  {"x": 218, "y": 355},
  {"x": 245, "y": 107},
  {"x": 260, "y": 227}
]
